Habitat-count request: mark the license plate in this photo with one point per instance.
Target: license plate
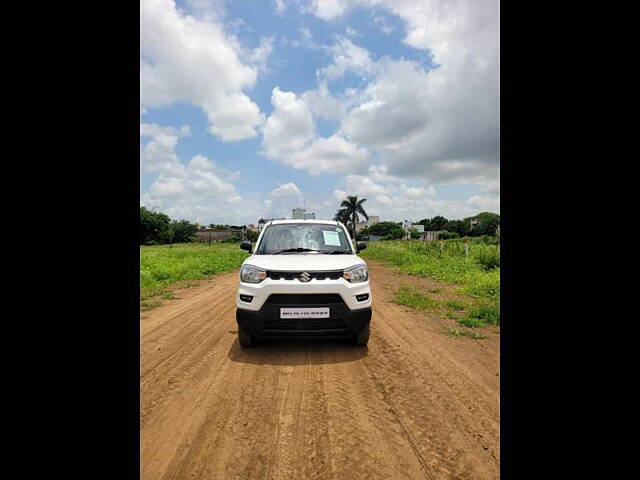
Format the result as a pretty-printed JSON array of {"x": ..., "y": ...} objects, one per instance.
[{"x": 320, "y": 312}]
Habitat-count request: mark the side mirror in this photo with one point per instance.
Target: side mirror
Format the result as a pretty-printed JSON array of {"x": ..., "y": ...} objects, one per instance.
[
  {"x": 246, "y": 245},
  {"x": 360, "y": 246}
]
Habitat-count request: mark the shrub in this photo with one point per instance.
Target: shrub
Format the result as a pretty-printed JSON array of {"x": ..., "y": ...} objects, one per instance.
[
  {"x": 470, "y": 322},
  {"x": 483, "y": 314},
  {"x": 485, "y": 285},
  {"x": 235, "y": 238},
  {"x": 455, "y": 332},
  {"x": 389, "y": 230},
  {"x": 485, "y": 240},
  {"x": 447, "y": 235},
  {"x": 487, "y": 255}
]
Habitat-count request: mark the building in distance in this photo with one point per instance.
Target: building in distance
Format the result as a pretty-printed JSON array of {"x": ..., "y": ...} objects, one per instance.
[
  {"x": 302, "y": 214},
  {"x": 373, "y": 219}
]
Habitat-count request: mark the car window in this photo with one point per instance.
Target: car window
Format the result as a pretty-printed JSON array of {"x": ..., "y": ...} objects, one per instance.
[{"x": 312, "y": 236}]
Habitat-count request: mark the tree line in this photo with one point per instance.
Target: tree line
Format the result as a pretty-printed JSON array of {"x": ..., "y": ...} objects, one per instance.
[
  {"x": 157, "y": 229},
  {"x": 486, "y": 223},
  {"x": 351, "y": 209}
]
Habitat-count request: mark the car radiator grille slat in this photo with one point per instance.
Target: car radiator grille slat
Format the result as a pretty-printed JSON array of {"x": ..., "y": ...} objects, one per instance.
[
  {"x": 303, "y": 324},
  {"x": 330, "y": 275},
  {"x": 324, "y": 299}
]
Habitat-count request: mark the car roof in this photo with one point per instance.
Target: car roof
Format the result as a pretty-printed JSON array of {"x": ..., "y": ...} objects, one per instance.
[{"x": 281, "y": 222}]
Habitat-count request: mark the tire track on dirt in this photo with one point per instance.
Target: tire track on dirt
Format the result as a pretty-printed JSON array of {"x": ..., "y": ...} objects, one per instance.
[
  {"x": 177, "y": 364},
  {"x": 312, "y": 409},
  {"x": 463, "y": 405},
  {"x": 470, "y": 398}
]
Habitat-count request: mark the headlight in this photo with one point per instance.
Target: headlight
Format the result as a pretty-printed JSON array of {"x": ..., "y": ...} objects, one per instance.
[
  {"x": 359, "y": 273},
  {"x": 251, "y": 274}
]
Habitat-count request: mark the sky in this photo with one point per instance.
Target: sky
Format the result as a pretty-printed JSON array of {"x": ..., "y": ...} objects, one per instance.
[{"x": 250, "y": 108}]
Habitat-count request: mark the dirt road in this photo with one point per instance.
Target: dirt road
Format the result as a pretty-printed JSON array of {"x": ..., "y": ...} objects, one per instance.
[{"x": 415, "y": 404}]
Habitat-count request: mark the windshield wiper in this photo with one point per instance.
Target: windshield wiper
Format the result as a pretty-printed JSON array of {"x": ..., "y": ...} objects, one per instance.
[
  {"x": 338, "y": 252},
  {"x": 299, "y": 249}
]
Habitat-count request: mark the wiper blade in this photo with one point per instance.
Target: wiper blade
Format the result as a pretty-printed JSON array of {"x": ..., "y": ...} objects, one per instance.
[
  {"x": 338, "y": 252},
  {"x": 299, "y": 249}
]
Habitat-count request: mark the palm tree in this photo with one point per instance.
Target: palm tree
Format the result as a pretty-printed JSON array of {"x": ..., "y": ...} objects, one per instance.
[
  {"x": 349, "y": 210},
  {"x": 341, "y": 216}
]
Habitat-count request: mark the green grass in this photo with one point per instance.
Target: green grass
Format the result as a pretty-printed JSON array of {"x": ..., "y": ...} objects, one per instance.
[
  {"x": 456, "y": 332},
  {"x": 451, "y": 266},
  {"x": 455, "y": 304},
  {"x": 406, "y": 296},
  {"x": 477, "y": 276},
  {"x": 483, "y": 314},
  {"x": 470, "y": 322},
  {"x": 149, "y": 304},
  {"x": 163, "y": 265}
]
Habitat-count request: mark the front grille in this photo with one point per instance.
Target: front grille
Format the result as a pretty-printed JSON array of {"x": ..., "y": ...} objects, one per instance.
[
  {"x": 304, "y": 299},
  {"x": 303, "y": 324},
  {"x": 280, "y": 275}
]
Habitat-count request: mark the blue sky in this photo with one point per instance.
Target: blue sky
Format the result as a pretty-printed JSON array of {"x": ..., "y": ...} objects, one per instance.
[{"x": 249, "y": 109}]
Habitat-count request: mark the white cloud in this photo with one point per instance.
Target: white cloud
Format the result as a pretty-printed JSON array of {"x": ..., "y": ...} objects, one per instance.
[
  {"x": 166, "y": 187},
  {"x": 280, "y": 6},
  {"x": 286, "y": 190},
  {"x": 384, "y": 200},
  {"x": 347, "y": 58},
  {"x": 381, "y": 22},
  {"x": 395, "y": 106},
  {"x": 396, "y": 200},
  {"x": 393, "y": 199},
  {"x": 289, "y": 138},
  {"x": 194, "y": 190},
  {"x": 339, "y": 195},
  {"x": 289, "y": 128},
  {"x": 330, "y": 155},
  {"x": 491, "y": 187},
  {"x": 328, "y": 9},
  {"x": 352, "y": 32},
  {"x": 259, "y": 55},
  {"x": 199, "y": 190},
  {"x": 201, "y": 163},
  {"x": 158, "y": 154},
  {"x": 422, "y": 127},
  {"x": 484, "y": 203},
  {"x": 153, "y": 129},
  {"x": 322, "y": 104},
  {"x": 440, "y": 124},
  {"x": 281, "y": 200},
  {"x": 191, "y": 59}
]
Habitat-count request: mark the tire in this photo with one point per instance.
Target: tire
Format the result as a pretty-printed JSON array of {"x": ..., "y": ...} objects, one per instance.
[
  {"x": 361, "y": 338},
  {"x": 244, "y": 338}
]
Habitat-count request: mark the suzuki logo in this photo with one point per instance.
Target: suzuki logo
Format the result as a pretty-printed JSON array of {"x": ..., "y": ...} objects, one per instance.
[{"x": 304, "y": 277}]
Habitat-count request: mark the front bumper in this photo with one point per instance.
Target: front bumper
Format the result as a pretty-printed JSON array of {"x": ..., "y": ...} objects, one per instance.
[
  {"x": 260, "y": 292},
  {"x": 267, "y": 323}
]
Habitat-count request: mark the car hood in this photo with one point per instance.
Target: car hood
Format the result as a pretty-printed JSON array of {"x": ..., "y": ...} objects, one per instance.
[{"x": 302, "y": 262}]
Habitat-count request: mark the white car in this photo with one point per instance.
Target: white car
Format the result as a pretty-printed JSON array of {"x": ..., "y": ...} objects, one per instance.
[{"x": 304, "y": 279}]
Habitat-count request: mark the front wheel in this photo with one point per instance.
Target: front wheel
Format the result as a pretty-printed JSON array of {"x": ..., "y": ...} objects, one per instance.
[
  {"x": 361, "y": 338},
  {"x": 244, "y": 338}
]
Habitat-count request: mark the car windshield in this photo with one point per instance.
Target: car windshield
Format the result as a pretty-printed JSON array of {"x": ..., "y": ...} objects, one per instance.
[{"x": 304, "y": 237}]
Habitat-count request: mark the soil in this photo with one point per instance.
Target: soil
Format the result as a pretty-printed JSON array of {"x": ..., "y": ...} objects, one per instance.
[{"x": 416, "y": 403}]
